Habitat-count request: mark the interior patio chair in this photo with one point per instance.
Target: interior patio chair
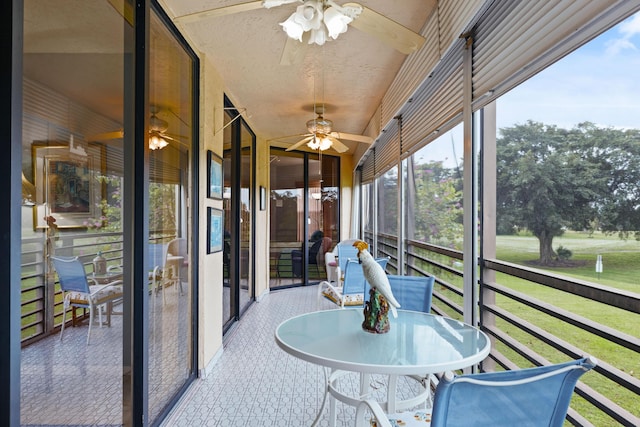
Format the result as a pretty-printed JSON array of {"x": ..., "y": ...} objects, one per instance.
[
  {"x": 178, "y": 248},
  {"x": 532, "y": 397},
  {"x": 345, "y": 251},
  {"x": 167, "y": 265},
  {"x": 77, "y": 292},
  {"x": 413, "y": 293},
  {"x": 156, "y": 255},
  {"x": 336, "y": 260},
  {"x": 351, "y": 293}
]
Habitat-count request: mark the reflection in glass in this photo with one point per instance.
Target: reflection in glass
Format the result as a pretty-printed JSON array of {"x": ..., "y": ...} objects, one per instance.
[
  {"x": 72, "y": 185},
  {"x": 170, "y": 309}
]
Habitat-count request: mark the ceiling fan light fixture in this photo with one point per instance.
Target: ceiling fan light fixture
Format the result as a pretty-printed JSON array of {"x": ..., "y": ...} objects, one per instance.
[
  {"x": 336, "y": 22},
  {"x": 157, "y": 142},
  {"x": 292, "y": 28},
  {"x": 323, "y": 18},
  {"x": 307, "y": 17},
  {"x": 319, "y": 142},
  {"x": 318, "y": 36},
  {"x": 325, "y": 143}
]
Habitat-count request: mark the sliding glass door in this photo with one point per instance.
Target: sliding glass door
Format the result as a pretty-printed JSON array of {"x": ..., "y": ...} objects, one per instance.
[
  {"x": 304, "y": 215},
  {"x": 239, "y": 214}
]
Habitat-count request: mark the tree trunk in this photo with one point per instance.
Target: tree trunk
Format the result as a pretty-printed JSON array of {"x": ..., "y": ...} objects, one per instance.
[{"x": 547, "y": 254}]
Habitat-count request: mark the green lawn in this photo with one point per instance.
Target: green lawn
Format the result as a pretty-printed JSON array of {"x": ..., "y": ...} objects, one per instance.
[
  {"x": 620, "y": 258},
  {"x": 621, "y": 270}
]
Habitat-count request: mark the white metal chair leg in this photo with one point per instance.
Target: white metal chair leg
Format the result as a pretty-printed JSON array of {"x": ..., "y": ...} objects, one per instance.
[
  {"x": 64, "y": 317},
  {"x": 91, "y": 306}
]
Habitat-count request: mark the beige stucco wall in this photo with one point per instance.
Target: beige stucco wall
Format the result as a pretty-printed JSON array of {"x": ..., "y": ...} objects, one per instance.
[
  {"x": 210, "y": 265},
  {"x": 210, "y": 321},
  {"x": 262, "y": 224}
]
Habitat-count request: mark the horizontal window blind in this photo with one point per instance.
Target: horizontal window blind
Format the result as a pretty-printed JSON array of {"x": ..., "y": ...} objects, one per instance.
[
  {"x": 516, "y": 39},
  {"x": 441, "y": 31},
  {"x": 512, "y": 41},
  {"x": 437, "y": 102},
  {"x": 368, "y": 167}
]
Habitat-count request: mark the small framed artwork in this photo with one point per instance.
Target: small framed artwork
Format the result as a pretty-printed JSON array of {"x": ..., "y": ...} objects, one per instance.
[
  {"x": 263, "y": 198},
  {"x": 214, "y": 230},
  {"x": 214, "y": 175}
]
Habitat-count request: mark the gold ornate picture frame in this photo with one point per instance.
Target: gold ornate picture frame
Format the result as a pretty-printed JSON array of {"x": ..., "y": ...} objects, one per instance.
[{"x": 66, "y": 184}]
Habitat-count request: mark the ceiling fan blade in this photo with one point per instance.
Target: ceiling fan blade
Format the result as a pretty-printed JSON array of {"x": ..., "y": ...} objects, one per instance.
[
  {"x": 273, "y": 3},
  {"x": 352, "y": 137},
  {"x": 118, "y": 134},
  {"x": 221, "y": 11},
  {"x": 387, "y": 30},
  {"x": 294, "y": 51},
  {"x": 338, "y": 146},
  {"x": 297, "y": 135},
  {"x": 299, "y": 143}
]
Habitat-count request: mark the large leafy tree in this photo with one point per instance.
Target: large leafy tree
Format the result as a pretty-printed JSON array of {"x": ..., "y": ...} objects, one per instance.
[
  {"x": 437, "y": 216},
  {"x": 551, "y": 179}
]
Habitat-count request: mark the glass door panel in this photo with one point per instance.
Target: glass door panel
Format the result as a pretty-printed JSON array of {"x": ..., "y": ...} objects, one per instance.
[
  {"x": 238, "y": 200},
  {"x": 304, "y": 215},
  {"x": 246, "y": 291},
  {"x": 287, "y": 223},
  {"x": 324, "y": 201},
  {"x": 72, "y": 186},
  {"x": 170, "y": 239}
]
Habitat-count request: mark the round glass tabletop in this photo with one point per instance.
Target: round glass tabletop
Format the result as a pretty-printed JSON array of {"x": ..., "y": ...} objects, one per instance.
[{"x": 417, "y": 343}]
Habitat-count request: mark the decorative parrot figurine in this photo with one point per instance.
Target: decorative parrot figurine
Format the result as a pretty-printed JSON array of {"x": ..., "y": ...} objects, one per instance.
[{"x": 375, "y": 275}]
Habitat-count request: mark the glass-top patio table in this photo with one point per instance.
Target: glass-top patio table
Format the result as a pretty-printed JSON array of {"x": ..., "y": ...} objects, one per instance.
[{"x": 417, "y": 344}]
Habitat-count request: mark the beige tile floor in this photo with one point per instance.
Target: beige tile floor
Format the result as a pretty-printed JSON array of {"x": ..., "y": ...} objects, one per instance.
[{"x": 255, "y": 383}]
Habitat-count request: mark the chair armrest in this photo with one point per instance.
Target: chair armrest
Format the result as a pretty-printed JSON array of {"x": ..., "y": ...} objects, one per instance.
[
  {"x": 336, "y": 289},
  {"x": 99, "y": 288},
  {"x": 374, "y": 407}
]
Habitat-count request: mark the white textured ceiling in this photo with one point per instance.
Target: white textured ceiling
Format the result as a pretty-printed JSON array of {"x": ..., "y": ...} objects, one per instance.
[{"x": 349, "y": 75}]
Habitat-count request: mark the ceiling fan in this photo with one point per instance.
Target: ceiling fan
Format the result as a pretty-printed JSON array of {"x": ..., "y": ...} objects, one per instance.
[
  {"x": 320, "y": 20},
  {"x": 158, "y": 138},
  {"x": 321, "y": 135}
]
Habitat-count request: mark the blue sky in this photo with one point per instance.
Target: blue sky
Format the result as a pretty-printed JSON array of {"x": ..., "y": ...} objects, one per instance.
[{"x": 598, "y": 83}]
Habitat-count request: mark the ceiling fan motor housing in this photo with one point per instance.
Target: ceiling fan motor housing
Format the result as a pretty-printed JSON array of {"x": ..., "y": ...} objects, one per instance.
[{"x": 320, "y": 125}]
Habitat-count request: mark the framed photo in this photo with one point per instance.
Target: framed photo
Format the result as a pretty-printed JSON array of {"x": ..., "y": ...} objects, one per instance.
[
  {"x": 66, "y": 185},
  {"x": 214, "y": 230},
  {"x": 214, "y": 175}
]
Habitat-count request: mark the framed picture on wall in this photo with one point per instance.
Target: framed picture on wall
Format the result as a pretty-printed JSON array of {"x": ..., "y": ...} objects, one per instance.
[
  {"x": 66, "y": 185},
  {"x": 214, "y": 230},
  {"x": 214, "y": 175}
]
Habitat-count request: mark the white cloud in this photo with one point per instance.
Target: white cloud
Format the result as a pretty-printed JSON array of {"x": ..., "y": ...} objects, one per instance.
[
  {"x": 631, "y": 26},
  {"x": 627, "y": 30}
]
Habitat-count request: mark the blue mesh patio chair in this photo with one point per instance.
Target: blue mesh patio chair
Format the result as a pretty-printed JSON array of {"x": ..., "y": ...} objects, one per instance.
[
  {"x": 78, "y": 293},
  {"x": 351, "y": 291},
  {"x": 533, "y": 397},
  {"x": 412, "y": 292}
]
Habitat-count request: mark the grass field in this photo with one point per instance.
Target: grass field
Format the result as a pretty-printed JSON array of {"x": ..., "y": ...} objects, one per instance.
[
  {"x": 621, "y": 270},
  {"x": 620, "y": 258}
]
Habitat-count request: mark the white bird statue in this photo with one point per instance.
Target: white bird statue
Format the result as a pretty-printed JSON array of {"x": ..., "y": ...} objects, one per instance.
[{"x": 375, "y": 275}]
